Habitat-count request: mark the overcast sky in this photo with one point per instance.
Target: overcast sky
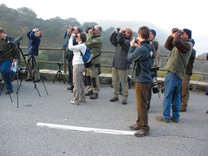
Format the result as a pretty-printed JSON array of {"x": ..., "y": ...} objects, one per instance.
[{"x": 167, "y": 14}]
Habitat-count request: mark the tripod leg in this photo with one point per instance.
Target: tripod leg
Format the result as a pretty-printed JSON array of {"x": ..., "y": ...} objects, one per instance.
[
  {"x": 35, "y": 86},
  {"x": 45, "y": 87},
  {"x": 62, "y": 77},
  {"x": 55, "y": 77}
]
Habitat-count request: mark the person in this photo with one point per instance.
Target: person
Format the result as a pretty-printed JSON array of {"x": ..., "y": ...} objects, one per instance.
[
  {"x": 155, "y": 66},
  {"x": 142, "y": 54},
  {"x": 186, "y": 80},
  {"x": 78, "y": 67},
  {"x": 94, "y": 42},
  {"x": 7, "y": 55},
  {"x": 34, "y": 37},
  {"x": 69, "y": 54},
  {"x": 121, "y": 40},
  {"x": 179, "y": 43}
]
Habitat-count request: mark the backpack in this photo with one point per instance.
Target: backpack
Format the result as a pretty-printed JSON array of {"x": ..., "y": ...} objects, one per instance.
[{"x": 87, "y": 57}]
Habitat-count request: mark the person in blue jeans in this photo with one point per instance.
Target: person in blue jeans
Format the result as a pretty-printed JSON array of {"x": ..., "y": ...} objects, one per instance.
[
  {"x": 7, "y": 54},
  {"x": 179, "y": 43}
]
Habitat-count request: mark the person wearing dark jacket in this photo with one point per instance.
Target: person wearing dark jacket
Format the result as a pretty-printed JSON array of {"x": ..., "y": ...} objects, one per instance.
[
  {"x": 186, "y": 80},
  {"x": 142, "y": 54},
  {"x": 7, "y": 55},
  {"x": 121, "y": 40},
  {"x": 34, "y": 37},
  {"x": 179, "y": 43}
]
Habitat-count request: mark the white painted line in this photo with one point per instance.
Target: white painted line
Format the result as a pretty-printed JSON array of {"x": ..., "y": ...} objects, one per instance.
[{"x": 85, "y": 129}]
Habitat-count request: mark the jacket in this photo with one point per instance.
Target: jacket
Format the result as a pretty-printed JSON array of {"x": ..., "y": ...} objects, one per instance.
[
  {"x": 122, "y": 45},
  {"x": 155, "y": 44},
  {"x": 95, "y": 45},
  {"x": 34, "y": 41},
  {"x": 143, "y": 61},
  {"x": 179, "y": 55}
]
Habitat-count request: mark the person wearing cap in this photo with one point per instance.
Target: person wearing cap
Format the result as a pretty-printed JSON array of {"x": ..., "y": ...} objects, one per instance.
[
  {"x": 94, "y": 42},
  {"x": 179, "y": 43},
  {"x": 186, "y": 80},
  {"x": 155, "y": 66}
]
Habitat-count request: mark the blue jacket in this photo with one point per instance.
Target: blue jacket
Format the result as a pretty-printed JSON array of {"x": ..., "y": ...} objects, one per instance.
[
  {"x": 143, "y": 61},
  {"x": 34, "y": 41}
]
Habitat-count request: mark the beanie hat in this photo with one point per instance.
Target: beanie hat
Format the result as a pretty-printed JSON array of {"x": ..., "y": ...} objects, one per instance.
[
  {"x": 153, "y": 31},
  {"x": 192, "y": 41},
  {"x": 188, "y": 32}
]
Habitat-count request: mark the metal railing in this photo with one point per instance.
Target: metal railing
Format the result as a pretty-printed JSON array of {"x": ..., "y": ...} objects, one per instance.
[{"x": 103, "y": 51}]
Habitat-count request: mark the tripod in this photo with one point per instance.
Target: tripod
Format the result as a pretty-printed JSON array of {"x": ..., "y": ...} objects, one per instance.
[
  {"x": 59, "y": 74},
  {"x": 30, "y": 69}
]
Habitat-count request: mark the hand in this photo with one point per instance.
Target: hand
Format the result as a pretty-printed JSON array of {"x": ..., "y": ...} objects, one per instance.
[
  {"x": 73, "y": 35},
  {"x": 132, "y": 43}
]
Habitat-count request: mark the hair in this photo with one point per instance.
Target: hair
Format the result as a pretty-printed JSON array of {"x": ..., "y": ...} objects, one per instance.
[
  {"x": 2, "y": 30},
  {"x": 41, "y": 34},
  {"x": 83, "y": 37},
  {"x": 144, "y": 31},
  {"x": 129, "y": 31}
]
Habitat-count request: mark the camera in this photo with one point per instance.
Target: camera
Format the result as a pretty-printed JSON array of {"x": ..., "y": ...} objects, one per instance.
[
  {"x": 118, "y": 29},
  {"x": 60, "y": 63},
  {"x": 155, "y": 87},
  {"x": 175, "y": 29}
]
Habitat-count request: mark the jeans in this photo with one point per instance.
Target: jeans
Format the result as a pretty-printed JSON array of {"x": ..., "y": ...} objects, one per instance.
[
  {"x": 172, "y": 93},
  {"x": 5, "y": 69}
]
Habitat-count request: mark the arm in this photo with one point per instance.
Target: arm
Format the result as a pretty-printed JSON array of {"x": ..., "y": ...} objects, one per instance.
[
  {"x": 168, "y": 44},
  {"x": 73, "y": 47},
  {"x": 28, "y": 34},
  {"x": 113, "y": 39}
]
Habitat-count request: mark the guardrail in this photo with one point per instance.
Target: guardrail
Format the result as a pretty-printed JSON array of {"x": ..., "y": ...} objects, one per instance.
[{"x": 103, "y": 51}]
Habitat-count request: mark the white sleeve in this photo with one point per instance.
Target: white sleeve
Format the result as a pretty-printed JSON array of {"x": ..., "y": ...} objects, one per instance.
[{"x": 74, "y": 47}]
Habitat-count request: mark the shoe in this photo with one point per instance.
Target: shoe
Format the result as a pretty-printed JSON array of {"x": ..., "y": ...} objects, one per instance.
[
  {"x": 71, "y": 88},
  {"x": 134, "y": 127},
  {"x": 94, "y": 96},
  {"x": 37, "y": 81},
  {"x": 28, "y": 79},
  {"x": 124, "y": 102},
  {"x": 160, "y": 118},
  {"x": 9, "y": 91},
  {"x": 82, "y": 101},
  {"x": 74, "y": 102},
  {"x": 207, "y": 111},
  {"x": 88, "y": 93},
  {"x": 174, "y": 120},
  {"x": 114, "y": 99},
  {"x": 141, "y": 133}
]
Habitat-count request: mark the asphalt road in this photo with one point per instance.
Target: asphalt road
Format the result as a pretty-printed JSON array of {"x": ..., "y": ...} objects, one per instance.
[{"x": 20, "y": 135}]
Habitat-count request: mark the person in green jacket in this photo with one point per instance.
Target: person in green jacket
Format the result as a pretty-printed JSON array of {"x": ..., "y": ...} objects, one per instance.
[{"x": 94, "y": 42}]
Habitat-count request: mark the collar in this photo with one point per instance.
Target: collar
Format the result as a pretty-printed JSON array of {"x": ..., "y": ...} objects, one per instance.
[{"x": 145, "y": 42}]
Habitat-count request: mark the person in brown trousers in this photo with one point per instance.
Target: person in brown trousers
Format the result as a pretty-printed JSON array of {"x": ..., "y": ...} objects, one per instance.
[
  {"x": 186, "y": 80},
  {"x": 142, "y": 54}
]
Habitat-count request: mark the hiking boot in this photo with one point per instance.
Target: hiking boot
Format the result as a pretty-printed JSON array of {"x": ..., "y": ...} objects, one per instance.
[
  {"x": 183, "y": 110},
  {"x": 160, "y": 118},
  {"x": 124, "y": 101},
  {"x": 114, "y": 99},
  {"x": 94, "y": 96},
  {"x": 174, "y": 120},
  {"x": 134, "y": 127},
  {"x": 9, "y": 91},
  {"x": 141, "y": 133},
  {"x": 88, "y": 93},
  {"x": 70, "y": 88}
]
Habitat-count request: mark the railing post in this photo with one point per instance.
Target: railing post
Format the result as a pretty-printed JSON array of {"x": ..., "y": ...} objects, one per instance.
[{"x": 64, "y": 60}]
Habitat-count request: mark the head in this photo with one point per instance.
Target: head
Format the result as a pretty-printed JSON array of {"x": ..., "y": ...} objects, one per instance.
[
  {"x": 76, "y": 30},
  {"x": 2, "y": 33},
  {"x": 128, "y": 32},
  {"x": 97, "y": 29},
  {"x": 186, "y": 34},
  {"x": 152, "y": 34},
  {"x": 143, "y": 33},
  {"x": 39, "y": 34},
  {"x": 81, "y": 37}
]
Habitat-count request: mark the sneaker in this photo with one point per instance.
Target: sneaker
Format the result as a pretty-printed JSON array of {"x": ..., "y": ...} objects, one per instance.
[
  {"x": 70, "y": 88},
  {"x": 134, "y": 127},
  {"x": 174, "y": 120},
  {"x": 94, "y": 96},
  {"x": 74, "y": 102},
  {"x": 114, "y": 99},
  {"x": 160, "y": 118},
  {"x": 88, "y": 93},
  {"x": 183, "y": 110},
  {"x": 28, "y": 79},
  {"x": 124, "y": 101},
  {"x": 82, "y": 101},
  {"x": 141, "y": 133},
  {"x": 37, "y": 81}
]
